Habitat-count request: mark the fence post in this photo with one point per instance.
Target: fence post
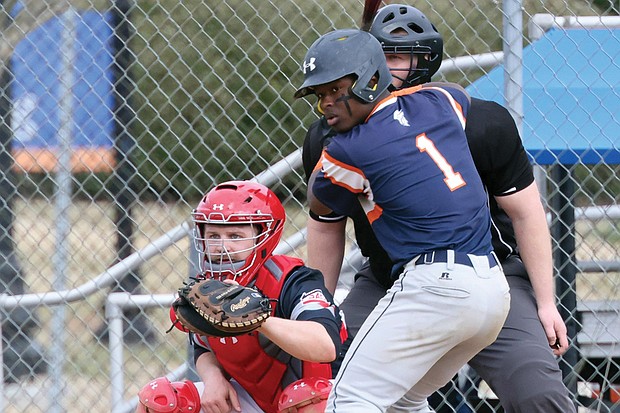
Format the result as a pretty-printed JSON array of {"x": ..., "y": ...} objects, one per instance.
[
  {"x": 114, "y": 315},
  {"x": 563, "y": 232},
  {"x": 193, "y": 270}
]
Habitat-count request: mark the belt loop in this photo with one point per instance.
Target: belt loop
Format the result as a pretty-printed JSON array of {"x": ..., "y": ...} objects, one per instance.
[
  {"x": 450, "y": 259},
  {"x": 481, "y": 264},
  {"x": 432, "y": 258}
]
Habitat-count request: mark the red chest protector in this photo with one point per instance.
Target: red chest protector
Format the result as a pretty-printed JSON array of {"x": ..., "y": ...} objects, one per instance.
[{"x": 257, "y": 364}]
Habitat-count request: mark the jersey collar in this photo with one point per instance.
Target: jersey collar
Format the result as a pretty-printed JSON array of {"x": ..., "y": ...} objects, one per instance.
[{"x": 391, "y": 99}]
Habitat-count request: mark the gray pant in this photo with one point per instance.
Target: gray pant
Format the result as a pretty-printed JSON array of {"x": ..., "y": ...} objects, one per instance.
[{"x": 519, "y": 366}]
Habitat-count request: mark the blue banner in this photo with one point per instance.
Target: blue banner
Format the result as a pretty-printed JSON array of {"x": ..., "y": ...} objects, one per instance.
[{"x": 37, "y": 92}]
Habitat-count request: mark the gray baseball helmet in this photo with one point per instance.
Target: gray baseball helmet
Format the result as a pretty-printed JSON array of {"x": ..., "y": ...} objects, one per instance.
[
  {"x": 346, "y": 52},
  {"x": 405, "y": 29}
]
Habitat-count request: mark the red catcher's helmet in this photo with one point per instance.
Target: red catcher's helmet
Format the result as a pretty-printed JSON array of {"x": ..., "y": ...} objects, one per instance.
[
  {"x": 238, "y": 203},
  {"x": 307, "y": 395}
]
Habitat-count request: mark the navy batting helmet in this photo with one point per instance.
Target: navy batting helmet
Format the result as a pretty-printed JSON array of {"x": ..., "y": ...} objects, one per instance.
[
  {"x": 405, "y": 29},
  {"x": 342, "y": 53}
]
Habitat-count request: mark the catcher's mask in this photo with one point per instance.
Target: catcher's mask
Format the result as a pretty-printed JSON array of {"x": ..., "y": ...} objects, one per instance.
[
  {"x": 237, "y": 203},
  {"x": 403, "y": 29},
  {"x": 342, "y": 53}
]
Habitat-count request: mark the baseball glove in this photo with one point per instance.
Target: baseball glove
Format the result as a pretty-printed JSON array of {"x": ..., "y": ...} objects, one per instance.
[{"x": 213, "y": 308}]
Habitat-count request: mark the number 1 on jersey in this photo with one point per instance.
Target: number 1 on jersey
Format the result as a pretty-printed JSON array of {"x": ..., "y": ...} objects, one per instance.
[{"x": 453, "y": 180}]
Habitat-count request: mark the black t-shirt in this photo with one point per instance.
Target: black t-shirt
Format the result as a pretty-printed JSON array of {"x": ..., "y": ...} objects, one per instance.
[{"x": 500, "y": 159}]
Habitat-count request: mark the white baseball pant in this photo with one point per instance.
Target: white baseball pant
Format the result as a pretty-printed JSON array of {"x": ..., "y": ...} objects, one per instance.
[{"x": 434, "y": 319}]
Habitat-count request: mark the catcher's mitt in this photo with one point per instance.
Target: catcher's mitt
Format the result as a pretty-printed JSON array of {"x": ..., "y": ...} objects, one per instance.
[{"x": 214, "y": 308}]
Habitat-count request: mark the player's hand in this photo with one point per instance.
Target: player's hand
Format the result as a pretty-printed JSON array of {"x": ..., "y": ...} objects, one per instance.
[
  {"x": 555, "y": 329},
  {"x": 219, "y": 396}
]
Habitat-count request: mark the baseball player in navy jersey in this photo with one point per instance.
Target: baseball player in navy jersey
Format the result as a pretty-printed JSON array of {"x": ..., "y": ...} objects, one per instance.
[
  {"x": 414, "y": 178},
  {"x": 237, "y": 225},
  {"x": 519, "y": 366}
]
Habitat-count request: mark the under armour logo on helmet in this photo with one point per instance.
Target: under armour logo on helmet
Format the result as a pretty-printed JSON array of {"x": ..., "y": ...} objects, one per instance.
[
  {"x": 309, "y": 65},
  {"x": 218, "y": 207}
]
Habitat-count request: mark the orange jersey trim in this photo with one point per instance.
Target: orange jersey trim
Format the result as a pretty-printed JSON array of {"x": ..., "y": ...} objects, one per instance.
[
  {"x": 356, "y": 171},
  {"x": 374, "y": 214}
]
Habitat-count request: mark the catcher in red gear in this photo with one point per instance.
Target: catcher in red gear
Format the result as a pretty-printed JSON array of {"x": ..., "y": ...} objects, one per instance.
[{"x": 237, "y": 226}]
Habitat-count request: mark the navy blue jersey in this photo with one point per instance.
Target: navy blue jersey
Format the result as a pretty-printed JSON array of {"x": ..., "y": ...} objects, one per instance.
[
  {"x": 499, "y": 156},
  {"x": 305, "y": 297},
  {"x": 410, "y": 169}
]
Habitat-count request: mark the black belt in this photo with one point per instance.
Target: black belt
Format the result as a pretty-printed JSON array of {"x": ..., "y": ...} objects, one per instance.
[{"x": 459, "y": 258}]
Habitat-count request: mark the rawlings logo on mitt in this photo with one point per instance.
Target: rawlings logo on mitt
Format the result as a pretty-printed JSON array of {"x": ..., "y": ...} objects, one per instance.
[{"x": 213, "y": 308}]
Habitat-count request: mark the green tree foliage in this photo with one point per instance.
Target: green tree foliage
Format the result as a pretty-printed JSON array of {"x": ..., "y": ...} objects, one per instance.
[
  {"x": 214, "y": 80},
  {"x": 214, "y": 88}
]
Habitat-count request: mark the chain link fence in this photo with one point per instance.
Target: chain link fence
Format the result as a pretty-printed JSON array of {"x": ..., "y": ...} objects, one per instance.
[{"x": 118, "y": 115}]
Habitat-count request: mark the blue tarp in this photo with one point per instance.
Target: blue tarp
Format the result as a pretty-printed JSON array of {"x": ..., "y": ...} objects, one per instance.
[
  {"x": 571, "y": 97},
  {"x": 37, "y": 65}
]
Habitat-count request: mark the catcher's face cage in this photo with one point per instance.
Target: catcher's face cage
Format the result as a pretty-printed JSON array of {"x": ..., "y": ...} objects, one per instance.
[
  {"x": 417, "y": 72},
  {"x": 219, "y": 261},
  {"x": 405, "y": 29},
  {"x": 239, "y": 203}
]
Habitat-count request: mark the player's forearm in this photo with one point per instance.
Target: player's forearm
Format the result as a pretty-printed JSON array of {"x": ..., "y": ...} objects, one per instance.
[
  {"x": 208, "y": 368},
  {"x": 305, "y": 340},
  {"x": 326, "y": 246}
]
